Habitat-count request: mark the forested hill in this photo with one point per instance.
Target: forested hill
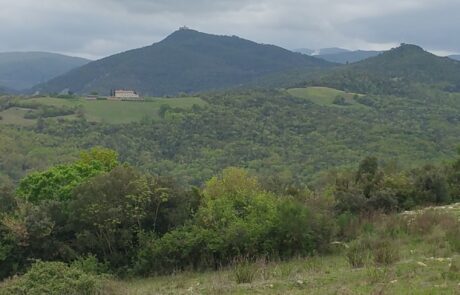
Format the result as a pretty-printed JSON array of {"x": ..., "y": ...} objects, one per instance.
[
  {"x": 186, "y": 61},
  {"x": 349, "y": 56},
  {"x": 394, "y": 72},
  {"x": 22, "y": 70}
]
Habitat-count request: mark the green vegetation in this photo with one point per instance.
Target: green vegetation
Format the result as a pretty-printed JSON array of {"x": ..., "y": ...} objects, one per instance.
[
  {"x": 340, "y": 172},
  {"x": 399, "y": 71},
  {"x": 186, "y": 61},
  {"x": 53, "y": 278},
  {"x": 102, "y": 227},
  {"x": 116, "y": 112},
  {"x": 16, "y": 116},
  {"x": 272, "y": 133},
  {"x": 22, "y": 70},
  {"x": 111, "y": 112},
  {"x": 326, "y": 96}
]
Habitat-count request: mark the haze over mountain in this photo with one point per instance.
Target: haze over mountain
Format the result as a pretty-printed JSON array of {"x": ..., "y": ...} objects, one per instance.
[
  {"x": 349, "y": 56},
  {"x": 396, "y": 70},
  {"x": 186, "y": 61},
  {"x": 331, "y": 50},
  {"x": 22, "y": 70},
  {"x": 340, "y": 55},
  {"x": 456, "y": 57}
]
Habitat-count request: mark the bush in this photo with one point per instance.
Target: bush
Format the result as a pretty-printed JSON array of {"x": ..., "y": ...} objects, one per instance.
[
  {"x": 90, "y": 265},
  {"x": 53, "y": 278},
  {"x": 385, "y": 252},
  {"x": 453, "y": 237},
  {"x": 423, "y": 223},
  {"x": 358, "y": 254},
  {"x": 236, "y": 218},
  {"x": 243, "y": 271}
]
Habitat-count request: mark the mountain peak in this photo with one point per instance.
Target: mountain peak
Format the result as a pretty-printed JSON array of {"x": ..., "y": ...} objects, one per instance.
[
  {"x": 409, "y": 48},
  {"x": 185, "y": 34},
  {"x": 185, "y": 61}
]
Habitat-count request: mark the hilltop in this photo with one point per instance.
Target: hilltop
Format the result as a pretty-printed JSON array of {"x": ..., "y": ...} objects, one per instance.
[
  {"x": 395, "y": 72},
  {"x": 186, "y": 61},
  {"x": 22, "y": 70}
]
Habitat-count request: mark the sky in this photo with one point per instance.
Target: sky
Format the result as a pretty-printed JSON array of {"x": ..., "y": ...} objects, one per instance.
[{"x": 98, "y": 28}]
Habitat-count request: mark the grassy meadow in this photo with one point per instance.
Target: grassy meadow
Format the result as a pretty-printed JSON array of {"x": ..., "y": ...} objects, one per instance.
[
  {"x": 15, "y": 116},
  {"x": 113, "y": 112},
  {"x": 325, "y": 96}
]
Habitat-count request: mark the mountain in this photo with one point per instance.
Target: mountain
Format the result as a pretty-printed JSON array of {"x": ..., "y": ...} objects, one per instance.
[
  {"x": 186, "y": 61},
  {"x": 304, "y": 51},
  {"x": 5, "y": 90},
  {"x": 349, "y": 56},
  {"x": 456, "y": 57},
  {"x": 323, "y": 51},
  {"x": 22, "y": 70},
  {"x": 332, "y": 50},
  {"x": 394, "y": 71}
]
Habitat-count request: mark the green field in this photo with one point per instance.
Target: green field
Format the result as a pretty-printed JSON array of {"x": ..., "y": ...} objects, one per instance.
[
  {"x": 117, "y": 112},
  {"x": 15, "y": 116},
  {"x": 325, "y": 96}
]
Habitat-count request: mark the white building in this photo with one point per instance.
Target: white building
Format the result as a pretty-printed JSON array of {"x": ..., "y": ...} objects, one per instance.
[
  {"x": 125, "y": 94},
  {"x": 121, "y": 94}
]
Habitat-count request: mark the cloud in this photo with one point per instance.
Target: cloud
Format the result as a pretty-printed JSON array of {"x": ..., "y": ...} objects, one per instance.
[{"x": 98, "y": 28}]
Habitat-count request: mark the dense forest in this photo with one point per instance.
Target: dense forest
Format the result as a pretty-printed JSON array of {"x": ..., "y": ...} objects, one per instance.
[{"x": 268, "y": 132}]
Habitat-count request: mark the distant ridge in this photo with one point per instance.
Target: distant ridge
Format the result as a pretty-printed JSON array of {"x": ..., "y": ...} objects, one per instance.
[
  {"x": 350, "y": 56},
  {"x": 22, "y": 70},
  {"x": 339, "y": 55},
  {"x": 185, "y": 61},
  {"x": 394, "y": 71}
]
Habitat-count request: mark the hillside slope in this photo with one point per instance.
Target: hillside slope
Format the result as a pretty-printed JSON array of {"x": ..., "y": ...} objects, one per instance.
[
  {"x": 22, "y": 70},
  {"x": 186, "y": 61},
  {"x": 395, "y": 72},
  {"x": 349, "y": 57}
]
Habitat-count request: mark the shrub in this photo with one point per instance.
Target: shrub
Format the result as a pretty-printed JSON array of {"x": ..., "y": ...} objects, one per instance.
[
  {"x": 236, "y": 218},
  {"x": 90, "y": 265},
  {"x": 454, "y": 270},
  {"x": 243, "y": 271},
  {"x": 453, "y": 237},
  {"x": 358, "y": 254},
  {"x": 385, "y": 252},
  {"x": 53, "y": 278},
  {"x": 424, "y": 223}
]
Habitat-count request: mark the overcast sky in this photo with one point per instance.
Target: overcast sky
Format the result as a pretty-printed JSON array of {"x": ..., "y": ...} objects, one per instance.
[{"x": 97, "y": 28}]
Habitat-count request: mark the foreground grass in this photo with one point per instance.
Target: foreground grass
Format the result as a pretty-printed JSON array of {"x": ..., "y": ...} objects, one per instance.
[
  {"x": 415, "y": 274},
  {"x": 426, "y": 265}
]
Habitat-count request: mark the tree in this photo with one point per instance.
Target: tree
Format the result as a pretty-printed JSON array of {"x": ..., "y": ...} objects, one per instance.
[
  {"x": 57, "y": 183},
  {"x": 430, "y": 186}
]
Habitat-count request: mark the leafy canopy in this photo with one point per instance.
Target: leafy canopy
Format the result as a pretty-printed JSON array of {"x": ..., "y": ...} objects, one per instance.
[{"x": 57, "y": 183}]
